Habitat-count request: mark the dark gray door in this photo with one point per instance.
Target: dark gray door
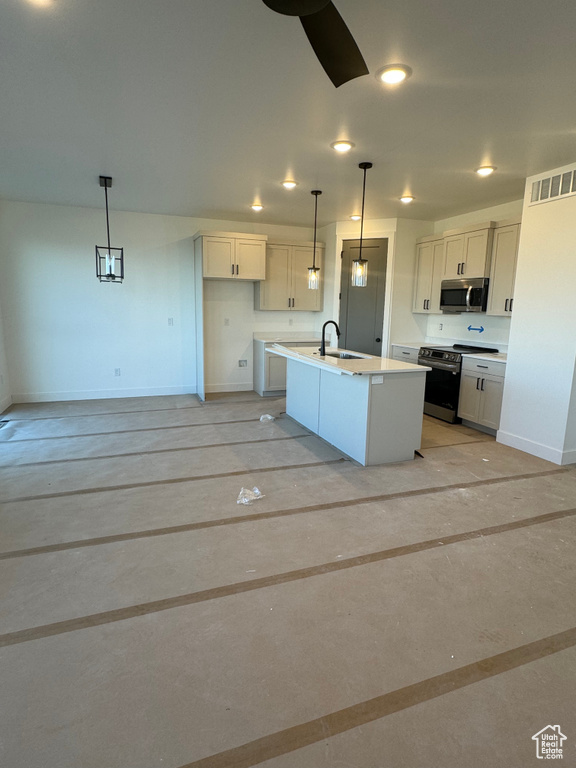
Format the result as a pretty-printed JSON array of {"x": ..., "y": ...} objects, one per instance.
[{"x": 362, "y": 309}]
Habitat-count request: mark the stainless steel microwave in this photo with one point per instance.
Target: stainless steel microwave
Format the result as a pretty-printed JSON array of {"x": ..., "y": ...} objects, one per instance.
[{"x": 469, "y": 294}]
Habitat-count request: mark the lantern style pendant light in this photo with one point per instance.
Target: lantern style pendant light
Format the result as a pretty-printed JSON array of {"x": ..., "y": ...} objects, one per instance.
[
  {"x": 314, "y": 271},
  {"x": 109, "y": 261},
  {"x": 360, "y": 265}
]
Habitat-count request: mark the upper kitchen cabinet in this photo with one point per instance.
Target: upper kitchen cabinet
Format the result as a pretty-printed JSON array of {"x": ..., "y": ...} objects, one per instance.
[
  {"x": 429, "y": 265},
  {"x": 503, "y": 270},
  {"x": 286, "y": 284},
  {"x": 232, "y": 255},
  {"x": 467, "y": 252}
]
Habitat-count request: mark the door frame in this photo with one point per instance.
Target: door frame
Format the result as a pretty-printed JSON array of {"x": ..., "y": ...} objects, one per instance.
[{"x": 353, "y": 234}]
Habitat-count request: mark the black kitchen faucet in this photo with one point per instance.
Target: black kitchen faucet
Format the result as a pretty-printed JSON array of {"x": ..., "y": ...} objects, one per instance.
[{"x": 323, "y": 344}]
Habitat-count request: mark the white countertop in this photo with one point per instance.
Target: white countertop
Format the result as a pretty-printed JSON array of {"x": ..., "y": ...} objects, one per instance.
[
  {"x": 362, "y": 366},
  {"x": 291, "y": 336}
]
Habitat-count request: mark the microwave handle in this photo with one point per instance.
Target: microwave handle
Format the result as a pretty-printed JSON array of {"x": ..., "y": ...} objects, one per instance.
[{"x": 468, "y": 292}]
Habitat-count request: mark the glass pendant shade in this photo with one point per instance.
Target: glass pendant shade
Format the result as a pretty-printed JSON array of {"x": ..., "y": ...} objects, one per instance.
[
  {"x": 314, "y": 278},
  {"x": 360, "y": 265},
  {"x": 314, "y": 271},
  {"x": 109, "y": 264},
  {"x": 360, "y": 273}
]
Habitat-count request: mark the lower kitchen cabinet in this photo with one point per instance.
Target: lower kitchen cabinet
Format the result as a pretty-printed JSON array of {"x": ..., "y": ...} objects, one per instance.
[
  {"x": 270, "y": 369},
  {"x": 481, "y": 389},
  {"x": 406, "y": 354}
]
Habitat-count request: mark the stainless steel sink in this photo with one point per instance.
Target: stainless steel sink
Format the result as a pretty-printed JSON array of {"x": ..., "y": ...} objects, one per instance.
[{"x": 344, "y": 356}]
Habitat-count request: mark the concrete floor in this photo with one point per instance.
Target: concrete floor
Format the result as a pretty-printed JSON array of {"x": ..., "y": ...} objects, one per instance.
[{"x": 417, "y": 615}]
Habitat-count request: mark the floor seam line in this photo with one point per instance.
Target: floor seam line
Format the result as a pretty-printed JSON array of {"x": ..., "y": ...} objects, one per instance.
[
  {"x": 274, "y": 580},
  {"x": 258, "y": 516}
]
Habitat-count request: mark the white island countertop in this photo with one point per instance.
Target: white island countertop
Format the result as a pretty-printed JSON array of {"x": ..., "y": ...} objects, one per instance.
[{"x": 361, "y": 365}]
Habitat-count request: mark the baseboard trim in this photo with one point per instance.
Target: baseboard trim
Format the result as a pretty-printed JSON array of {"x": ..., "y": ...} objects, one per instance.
[
  {"x": 536, "y": 449},
  {"x": 229, "y": 388},
  {"x": 100, "y": 394}
]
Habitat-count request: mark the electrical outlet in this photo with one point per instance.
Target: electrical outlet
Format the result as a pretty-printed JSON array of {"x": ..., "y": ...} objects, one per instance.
[
  {"x": 170, "y": 321},
  {"x": 117, "y": 372},
  {"x": 290, "y": 322},
  {"x": 440, "y": 326},
  {"x": 242, "y": 363},
  {"x": 226, "y": 321}
]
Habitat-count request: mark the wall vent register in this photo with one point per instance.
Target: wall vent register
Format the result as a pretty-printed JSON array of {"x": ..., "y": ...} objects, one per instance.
[{"x": 553, "y": 187}]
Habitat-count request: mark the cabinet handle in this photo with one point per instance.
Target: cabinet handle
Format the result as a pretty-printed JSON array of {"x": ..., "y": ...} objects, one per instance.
[
  {"x": 458, "y": 270},
  {"x": 482, "y": 385},
  {"x": 506, "y": 305},
  {"x": 477, "y": 383},
  {"x": 232, "y": 268},
  {"x": 424, "y": 304},
  {"x": 237, "y": 269},
  {"x": 292, "y": 303},
  {"x": 511, "y": 300},
  {"x": 289, "y": 303},
  {"x": 462, "y": 270},
  {"x": 404, "y": 353}
]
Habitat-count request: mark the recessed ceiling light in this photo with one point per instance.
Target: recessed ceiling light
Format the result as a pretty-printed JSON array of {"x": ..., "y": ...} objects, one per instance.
[
  {"x": 394, "y": 74},
  {"x": 256, "y": 207},
  {"x": 355, "y": 217},
  {"x": 289, "y": 184},
  {"x": 41, "y": 3},
  {"x": 342, "y": 146},
  {"x": 407, "y": 198},
  {"x": 485, "y": 170}
]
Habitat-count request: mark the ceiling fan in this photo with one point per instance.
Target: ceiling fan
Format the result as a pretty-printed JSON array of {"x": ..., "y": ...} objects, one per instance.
[{"x": 329, "y": 36}]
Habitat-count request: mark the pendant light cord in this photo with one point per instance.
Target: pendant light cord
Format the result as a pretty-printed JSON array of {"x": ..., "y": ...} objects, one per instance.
[
  {"x": 362, "y": 219},
  {"x": 107, "y": 220},
  {"x": 315, "y": 192}
]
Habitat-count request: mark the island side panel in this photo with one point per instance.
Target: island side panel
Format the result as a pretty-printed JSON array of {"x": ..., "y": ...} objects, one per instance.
[
  {"x": 303, "y": 393},
  {"x": 395, "y": 417},
  {"x": 344, "y": 413}
]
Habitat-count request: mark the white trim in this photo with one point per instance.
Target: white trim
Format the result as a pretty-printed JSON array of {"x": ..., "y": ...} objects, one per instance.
[
  {"x": 5, "y": 403},
  {"x": 536, "y": 449},
  {"x": 99, "y": 394}
]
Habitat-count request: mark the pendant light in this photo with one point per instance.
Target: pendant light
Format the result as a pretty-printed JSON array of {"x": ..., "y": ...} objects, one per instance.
[
  {"x": 360, "y": 265},
  {"x": 313, "y": 271},
  {"x": 109, "y": 261}
]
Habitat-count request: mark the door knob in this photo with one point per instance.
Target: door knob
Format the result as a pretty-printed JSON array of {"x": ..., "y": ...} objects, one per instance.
[{"x": 378, "y": 340}]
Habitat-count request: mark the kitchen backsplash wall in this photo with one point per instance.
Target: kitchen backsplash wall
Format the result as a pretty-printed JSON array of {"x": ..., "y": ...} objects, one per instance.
[{"x": 474, "y": 328}]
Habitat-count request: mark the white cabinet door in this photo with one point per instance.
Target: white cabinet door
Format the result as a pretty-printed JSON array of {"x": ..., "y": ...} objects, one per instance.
[
  {"x": 218, "y": 256},
  {"x": 503, "y": 270},
  {"x": 274, "y": 292},
  {"x": 429, "y": 267},
  {"x": 250, "y": 258},
  {"x": 275, "y": 377},
  {"x": 303, "y": 298},
  {"x": 453, "y": 256},
  {"x": 491, "y": 389},
  {"x": 424, "y": 271},
  {"x": 477, "y": 249},
  {"x": 469, "y": 402}
]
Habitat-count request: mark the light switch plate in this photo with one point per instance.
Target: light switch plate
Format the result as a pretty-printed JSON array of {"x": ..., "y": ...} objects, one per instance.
[{"x": 377, "y": 379}]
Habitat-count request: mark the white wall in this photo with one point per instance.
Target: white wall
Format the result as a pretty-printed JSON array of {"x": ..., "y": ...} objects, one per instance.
[
  {"x": 494, "y": 213},
  {"x": 538, "y": 406},
  {"x": 65, "y": 333}
]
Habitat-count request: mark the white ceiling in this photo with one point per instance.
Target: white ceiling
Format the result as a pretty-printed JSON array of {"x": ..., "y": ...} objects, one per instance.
[{"x": 196, "y": 107}]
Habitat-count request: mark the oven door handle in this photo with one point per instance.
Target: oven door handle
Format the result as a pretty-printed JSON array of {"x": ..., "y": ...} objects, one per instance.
[
  {"x": 452, "y": 367},
  {"x": 468, "y": 292}
]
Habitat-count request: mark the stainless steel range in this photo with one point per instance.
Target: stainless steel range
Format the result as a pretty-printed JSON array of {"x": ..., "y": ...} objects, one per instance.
[{"x": 443, "y": 381}]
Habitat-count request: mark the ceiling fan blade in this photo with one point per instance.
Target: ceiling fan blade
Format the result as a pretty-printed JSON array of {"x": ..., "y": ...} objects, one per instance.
[
  {"x": 334, "y": 45},
  {"x": 296, "y": 7}
]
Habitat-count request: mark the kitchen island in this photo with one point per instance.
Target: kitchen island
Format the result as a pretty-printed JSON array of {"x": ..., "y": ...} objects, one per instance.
[{"x": 368, "y": 407}]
